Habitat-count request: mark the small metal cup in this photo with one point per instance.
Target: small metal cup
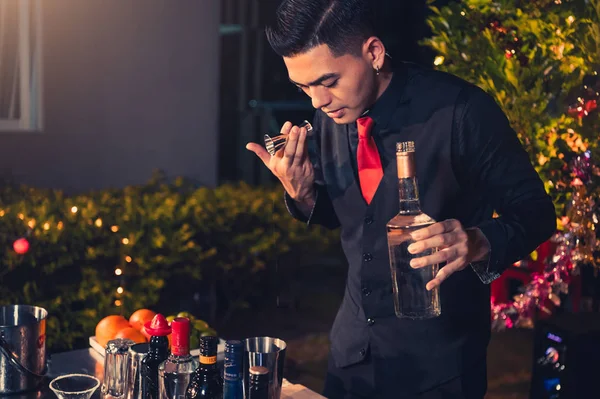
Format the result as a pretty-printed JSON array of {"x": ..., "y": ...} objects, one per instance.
[
  {"x": 116, "y": 367},
  {"x": 137, "y": 353},
  {"x": 275, "y": 143}
]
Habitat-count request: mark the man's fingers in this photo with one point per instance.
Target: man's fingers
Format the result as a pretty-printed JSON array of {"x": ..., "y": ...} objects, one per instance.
[
  {"x": 290, "y": 146},
  {"x": 437, "y": 228},
  {"x": 445, "y": 255},
  {"x": 285, "y": 129},
  {"x": 301, "y": 150},
  {"x": 444, "y": 273},
  {"x": 260, "y": 151},
  {"x": 438, "y": 241}
]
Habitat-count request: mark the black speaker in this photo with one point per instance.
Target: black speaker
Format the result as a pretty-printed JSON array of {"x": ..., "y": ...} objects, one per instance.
[{"x": 566, "y": 357}]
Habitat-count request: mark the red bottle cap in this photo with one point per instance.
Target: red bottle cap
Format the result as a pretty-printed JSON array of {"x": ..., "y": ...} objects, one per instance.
[
  {"x": 180, "y": 338},
  {"x": 158, "y": 326}
]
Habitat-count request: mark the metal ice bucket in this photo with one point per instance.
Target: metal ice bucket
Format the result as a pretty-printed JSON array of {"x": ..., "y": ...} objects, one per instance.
[{"x": 22, "y": 348}]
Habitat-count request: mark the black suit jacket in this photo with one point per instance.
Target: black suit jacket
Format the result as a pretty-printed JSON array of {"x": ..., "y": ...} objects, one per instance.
[{"x": 469, "y": 163}]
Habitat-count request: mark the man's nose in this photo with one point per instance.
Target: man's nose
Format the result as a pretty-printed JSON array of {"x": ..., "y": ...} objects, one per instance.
[{"x": 320, "y": 97}]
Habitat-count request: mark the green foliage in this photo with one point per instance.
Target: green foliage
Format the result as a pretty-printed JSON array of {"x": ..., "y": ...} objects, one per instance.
[
  {"x": 180, "y": 237},
  {"x": 532, "y": 56}
]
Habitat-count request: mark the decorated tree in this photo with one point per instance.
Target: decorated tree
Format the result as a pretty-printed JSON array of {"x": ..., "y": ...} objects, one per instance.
[{"x": 540, "y": 60}]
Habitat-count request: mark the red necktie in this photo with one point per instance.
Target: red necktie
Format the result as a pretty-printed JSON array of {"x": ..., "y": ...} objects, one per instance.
[{"x": 370, "y": 171}]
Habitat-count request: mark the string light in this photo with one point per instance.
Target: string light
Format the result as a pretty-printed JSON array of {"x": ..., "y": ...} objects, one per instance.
[
  {"x": 2, "y": 213},
  {"x": 439, "y": 60},
  {"x": 31, "y": 223}
]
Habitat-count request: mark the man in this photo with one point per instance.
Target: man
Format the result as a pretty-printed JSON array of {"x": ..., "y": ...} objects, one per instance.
[{"x": 469, "y": 164}]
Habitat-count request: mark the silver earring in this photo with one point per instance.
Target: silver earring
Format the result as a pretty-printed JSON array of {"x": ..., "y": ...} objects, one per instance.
[{"x": 377, "y": 70}]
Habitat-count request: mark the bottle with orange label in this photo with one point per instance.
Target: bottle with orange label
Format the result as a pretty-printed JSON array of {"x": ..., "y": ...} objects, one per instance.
[{"x": 207, "y": 382}]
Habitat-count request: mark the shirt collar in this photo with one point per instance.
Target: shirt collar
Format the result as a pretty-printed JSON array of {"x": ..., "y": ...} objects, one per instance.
[{"x": 388, "y": 102}]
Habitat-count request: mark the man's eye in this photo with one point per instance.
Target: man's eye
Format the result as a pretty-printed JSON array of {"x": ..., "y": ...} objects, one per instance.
[{"x": 332, "y": 84}]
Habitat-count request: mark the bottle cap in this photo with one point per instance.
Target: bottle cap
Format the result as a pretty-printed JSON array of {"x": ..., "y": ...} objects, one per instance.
[
  {"x": 405, "y": 146},
  {"x": 158, "y": 326},
  {"x": 258, "y": 370},
  {"x": 208, "y": 345},
  {"x": 180, "y": 338},
  {"x": 233, "y": 346}
]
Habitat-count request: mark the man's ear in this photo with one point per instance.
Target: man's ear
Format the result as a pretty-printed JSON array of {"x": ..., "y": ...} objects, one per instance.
[{"x": 374, "y": 52}]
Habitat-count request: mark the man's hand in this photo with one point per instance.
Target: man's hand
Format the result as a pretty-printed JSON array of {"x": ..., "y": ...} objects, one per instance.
[
  {"x": 291, "y": 165},
  {"x": 457, "y": 246}
]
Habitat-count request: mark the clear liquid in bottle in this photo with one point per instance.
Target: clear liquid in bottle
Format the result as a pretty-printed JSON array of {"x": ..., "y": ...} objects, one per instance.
[{"x": 411, "y": 298}]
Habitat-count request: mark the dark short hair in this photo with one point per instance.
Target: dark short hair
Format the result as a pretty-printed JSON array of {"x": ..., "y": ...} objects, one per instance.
[{"x": 301, "y": 25}]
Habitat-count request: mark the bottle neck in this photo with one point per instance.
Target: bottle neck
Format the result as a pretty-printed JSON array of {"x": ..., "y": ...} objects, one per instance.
[
  {"x": 408, "y": 192},
  {"x": 158, "y": 347},
  {"x": 408, "y": 189},
  {"x": 208, "y": 361}
]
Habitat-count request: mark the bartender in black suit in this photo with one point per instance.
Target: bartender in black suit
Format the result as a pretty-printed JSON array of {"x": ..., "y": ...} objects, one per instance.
[{"x": 470, "y": 163}]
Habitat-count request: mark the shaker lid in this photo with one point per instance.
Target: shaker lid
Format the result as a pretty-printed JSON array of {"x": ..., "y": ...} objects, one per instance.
[{"x": 158, "y": 326}]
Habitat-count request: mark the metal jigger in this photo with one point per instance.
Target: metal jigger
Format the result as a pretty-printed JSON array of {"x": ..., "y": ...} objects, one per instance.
[{"x": 274, "y": 144}]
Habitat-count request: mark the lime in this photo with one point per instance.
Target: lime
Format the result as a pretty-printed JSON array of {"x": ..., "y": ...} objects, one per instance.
[
  {"x": 185, "y": 314},
  {"x": 200, "y": 325},
  {"x": 209, "y": 332},
  {"x": 194, "y": 340}
]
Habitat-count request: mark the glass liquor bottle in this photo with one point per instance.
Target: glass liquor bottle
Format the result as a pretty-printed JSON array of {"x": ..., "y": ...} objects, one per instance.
[
  {"x": 411, "y": 298},
  {"x": 158, "y": 352},
  {"x": 233, "y": 386},
  {"x": 175, "y": 373},
  {"x": 259, "y": 383},
  {"x": 206, "y": 382}
]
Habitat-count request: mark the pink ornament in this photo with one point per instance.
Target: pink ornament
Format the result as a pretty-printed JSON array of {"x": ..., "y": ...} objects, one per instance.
[{"x": 21, "y": 246}]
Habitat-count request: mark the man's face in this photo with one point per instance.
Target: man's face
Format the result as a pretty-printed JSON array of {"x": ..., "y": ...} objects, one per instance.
[{"x": 342, "y": 87}]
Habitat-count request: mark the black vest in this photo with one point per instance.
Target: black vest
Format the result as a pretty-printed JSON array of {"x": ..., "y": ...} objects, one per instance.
[{"x": 415, "y": 355}]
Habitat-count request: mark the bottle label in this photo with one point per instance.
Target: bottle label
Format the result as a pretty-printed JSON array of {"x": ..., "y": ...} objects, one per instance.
[
  {"x": 406, "y": 165},
  {"x": 229, "y": 376},
  {"x": 208, "y": 359}
]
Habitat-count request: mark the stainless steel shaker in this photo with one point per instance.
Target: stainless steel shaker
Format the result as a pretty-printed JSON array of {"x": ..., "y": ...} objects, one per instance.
[
  {"x": 116, "y": 367},
  {"x": 134, "y": 376}
]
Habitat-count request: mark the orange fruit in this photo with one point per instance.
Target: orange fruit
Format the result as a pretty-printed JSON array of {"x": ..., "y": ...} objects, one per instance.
[
  {"x": 108, "y": 327},
  {"x": 140, "y": 317},
  {"x": 132, "y": 334},
  {"x": 145, "y": 333}
]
